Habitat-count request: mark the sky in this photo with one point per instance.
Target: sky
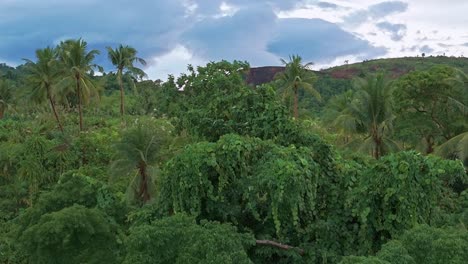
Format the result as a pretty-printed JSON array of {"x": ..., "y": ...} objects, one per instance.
[{"x": 170, "y": 34}]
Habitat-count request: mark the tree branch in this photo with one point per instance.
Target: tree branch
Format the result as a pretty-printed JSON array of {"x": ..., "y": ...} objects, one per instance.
[{"x": 278, "y": 245}]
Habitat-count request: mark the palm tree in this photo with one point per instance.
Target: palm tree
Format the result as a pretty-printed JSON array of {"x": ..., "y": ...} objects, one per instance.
[
  {"x": 6, "y": 97},
  {"x": 334, "y": 117},
  {"x": 123, "y": 58},
  {"x": 297, "y": 76},
  {"x": 139, "y": 150},
  {"x": 456, "y": 147},
  {"x": 42, "y": 76},
  {"x": 369, "y": 113},
  {"x": 78, "y": 63}
]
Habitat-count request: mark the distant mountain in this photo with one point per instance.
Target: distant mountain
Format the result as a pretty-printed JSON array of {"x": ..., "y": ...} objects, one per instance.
[
  {"x": 395, "y": 67},
  {"x": 262, "y": 75}
]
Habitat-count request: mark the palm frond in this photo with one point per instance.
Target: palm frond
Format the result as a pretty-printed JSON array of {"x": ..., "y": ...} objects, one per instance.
[{"x": 456, "y": 147}]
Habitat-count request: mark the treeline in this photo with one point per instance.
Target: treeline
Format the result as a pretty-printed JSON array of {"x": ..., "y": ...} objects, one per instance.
[{"x": 204, "y": 168}]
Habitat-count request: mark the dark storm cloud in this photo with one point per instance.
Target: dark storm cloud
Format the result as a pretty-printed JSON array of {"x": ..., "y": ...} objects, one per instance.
[
  {"x": 242, "y": 36},
  {"x": 253, "y": 33},
  {"x": 319, "y": 41},
  {"x": 151, "y": 26}
]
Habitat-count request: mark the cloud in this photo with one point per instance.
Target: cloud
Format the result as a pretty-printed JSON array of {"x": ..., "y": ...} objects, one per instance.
[
  {"x": 210, "y": 7},
  {"x": 323, "y": 42},
  {"x": 443, "y": 45},
  {"x": 172, "y": 62},
  {"x": 426, "y": 49},
  {"x": 172, "y": 33},
  {"x": 397, "y": 31},
  {"x": 377, "y": 11},
  {"x": 327, "y": 5},
  {"x": 243, "y": 36},
  {"x": 387, "y": 8},
  {"x": 27, "y": 25}
]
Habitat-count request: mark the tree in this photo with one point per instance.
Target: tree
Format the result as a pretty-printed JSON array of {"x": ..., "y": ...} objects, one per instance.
[
  {"x": 431, "y": 106},
  {"x": 6, "y": 97},
  {"x": 334, "y": 117},
  {"x": 216, "y": 101},
  {"x": 43, "y": 76},
  {"x": 140, "y": 150},
  {"x": 74, "y": 234},
  {"x": 78, "y": 63},
  {"x": 436, "y": 245},
  {"x": 456, "y": 147},
  {"x": 400, "y": 191},
  {"x": 295, "y": 77},
  {"x": 179, "y": 239},
  {"x": 123, "y": 58},
  {"x": 369, "y": 113}
]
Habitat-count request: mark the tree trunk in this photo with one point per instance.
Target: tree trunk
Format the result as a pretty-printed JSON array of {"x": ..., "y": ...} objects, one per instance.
[
  {"x": 430, "y": 144},
  {"x": 377, "y": 152},
  {"x": 52, "y": 105},
  {"x": 2, "y": 111},
  {"x": 296, "y": 103},
  {"x": 377, "y": 148},
  {"x": 119, "y": 78},
  {"x": 143, "y": 192},
  {"x": 78, "y": 92}
]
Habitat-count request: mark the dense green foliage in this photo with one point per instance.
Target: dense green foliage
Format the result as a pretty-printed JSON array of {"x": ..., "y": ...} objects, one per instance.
[
  {"x": 204, "y": 168},
  {"x": 179, "y": 239}
]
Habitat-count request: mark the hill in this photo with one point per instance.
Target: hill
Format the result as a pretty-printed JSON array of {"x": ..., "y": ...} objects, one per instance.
[
  {"x": 336, "y": 80},
  {"x": 395, "y": 67}
]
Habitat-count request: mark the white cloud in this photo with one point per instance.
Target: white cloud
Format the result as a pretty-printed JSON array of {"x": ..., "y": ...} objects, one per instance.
[{"x": 173, "y": 62}]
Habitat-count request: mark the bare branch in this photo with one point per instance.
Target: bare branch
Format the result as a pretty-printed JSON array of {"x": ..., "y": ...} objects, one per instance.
[{"x": 278, "y": 245}]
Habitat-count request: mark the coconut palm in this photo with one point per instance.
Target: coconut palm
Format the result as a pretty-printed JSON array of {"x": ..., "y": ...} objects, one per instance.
[
  {"x": 296, "y": 76},
  {"x": 138, "y": 151},
  {"x": 123, "y": 58},
  {"x": 370, "y": 114},
  {"x": 6, "y": 97},
  {"x": 77, "y": 65},
  {"x": 456, "y": 147},
  {"x": 335, "y": 118},
  {"x": 42, "y": 76}
]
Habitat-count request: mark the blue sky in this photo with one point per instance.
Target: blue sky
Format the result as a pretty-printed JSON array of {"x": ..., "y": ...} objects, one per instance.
[{"x": 170, "y": 34}]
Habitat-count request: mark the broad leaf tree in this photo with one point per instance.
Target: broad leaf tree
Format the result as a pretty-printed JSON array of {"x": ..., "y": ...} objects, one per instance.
[{"x": 431, "y": 106}]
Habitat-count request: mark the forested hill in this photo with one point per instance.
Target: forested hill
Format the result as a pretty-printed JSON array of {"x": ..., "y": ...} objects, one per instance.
[
  {"x": 395, "y": 67},
  {"x": 336, "y": 80}
]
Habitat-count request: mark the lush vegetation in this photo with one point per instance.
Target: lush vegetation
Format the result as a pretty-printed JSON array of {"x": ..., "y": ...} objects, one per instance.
[{"x": 205, "y": 168}]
